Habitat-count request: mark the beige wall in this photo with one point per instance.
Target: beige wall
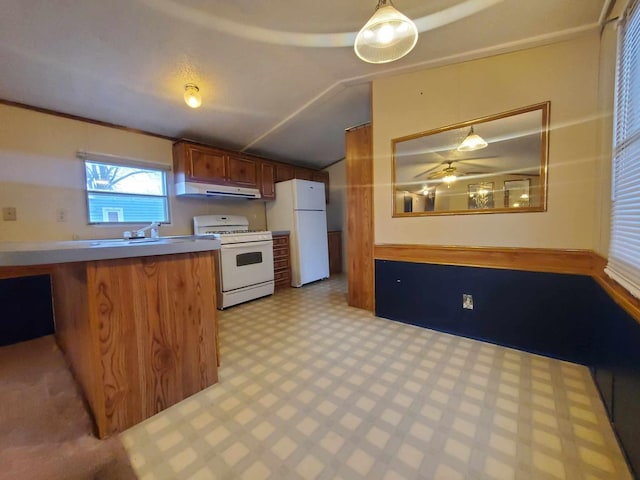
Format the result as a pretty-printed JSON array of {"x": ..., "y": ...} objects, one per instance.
[
  {"x": 40, "y": 174},
  {"x": 567, "y": 74}
]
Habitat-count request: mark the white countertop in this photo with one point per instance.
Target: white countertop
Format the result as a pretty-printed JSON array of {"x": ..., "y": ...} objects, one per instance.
[{"x": 42, "y": 253}]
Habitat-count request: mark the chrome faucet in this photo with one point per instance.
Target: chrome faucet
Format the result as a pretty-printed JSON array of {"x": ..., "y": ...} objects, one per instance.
[{"x": 154, "y": 227}]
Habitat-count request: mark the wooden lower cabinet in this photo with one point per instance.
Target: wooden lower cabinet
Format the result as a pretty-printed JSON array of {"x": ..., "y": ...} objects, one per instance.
[
  {"x": 139, "y": 333},
  {"x": 335, "y": 251},
  {"x": 281, "y": 260}
]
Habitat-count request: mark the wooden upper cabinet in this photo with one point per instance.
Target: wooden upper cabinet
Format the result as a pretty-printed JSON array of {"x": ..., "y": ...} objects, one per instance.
[
  {"x": 322, "y": 176},
  {"x": 193, "y": 162},
  {"x": 242, "y": 171},
  {"x": 267, "y": 180},
  {"x": 206, "y": 166},
  {"x": 303, "y": 173},
  {"x": 284, "y": 172},
  {"x": 199, "y": 163}
]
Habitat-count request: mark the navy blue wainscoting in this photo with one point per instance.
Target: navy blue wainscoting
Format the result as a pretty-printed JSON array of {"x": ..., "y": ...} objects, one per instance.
[
  {"x": 26, "y": 311},
  {"x": 544, "y": 313},
  {"x": 617, "y": 372},
  {"x": 563, "y": 316}
]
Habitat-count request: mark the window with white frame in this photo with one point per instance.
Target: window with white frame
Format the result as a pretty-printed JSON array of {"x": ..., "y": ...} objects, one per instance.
[
  {"x": 624, "y": 251},
  {"x": 125, "y": 191}
]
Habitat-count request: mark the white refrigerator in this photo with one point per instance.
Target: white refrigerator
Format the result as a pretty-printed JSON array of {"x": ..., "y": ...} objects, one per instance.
[{"x": 300, "y": 208}]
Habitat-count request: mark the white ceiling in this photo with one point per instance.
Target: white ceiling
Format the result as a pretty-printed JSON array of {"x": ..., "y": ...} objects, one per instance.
[{"x": 278, "y": 78}]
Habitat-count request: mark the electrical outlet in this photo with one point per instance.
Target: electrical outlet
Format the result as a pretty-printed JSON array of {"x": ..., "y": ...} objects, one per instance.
[
  {"x": 9, "y": 214},
  {"x": 61, "y": 215},
  {"x": 467, "y": 301}
]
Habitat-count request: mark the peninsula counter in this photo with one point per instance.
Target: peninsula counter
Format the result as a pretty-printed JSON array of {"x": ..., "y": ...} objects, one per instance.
[{"x": 136, "y": 321}]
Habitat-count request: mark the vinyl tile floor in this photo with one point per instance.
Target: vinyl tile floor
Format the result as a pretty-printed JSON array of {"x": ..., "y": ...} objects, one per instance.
[{"x": 310, "y": 388}]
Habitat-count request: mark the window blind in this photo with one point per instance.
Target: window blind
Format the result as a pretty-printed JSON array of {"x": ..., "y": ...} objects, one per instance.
[{"x": 624, "y": 251}]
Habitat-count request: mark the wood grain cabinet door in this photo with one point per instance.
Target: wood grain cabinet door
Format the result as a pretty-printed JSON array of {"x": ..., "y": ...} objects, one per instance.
[
  {"x": 242, "y": 171},
  {"x": 206, "y": 166},
  {"x": 267, "y": 180},
  {"x": 335, "y": 251},
  {"x": 304, "y": 174},
  {"x": 322, "y": 176},
  {"x": 281, "y": 261},
  {"x": 284, "y": 172}
]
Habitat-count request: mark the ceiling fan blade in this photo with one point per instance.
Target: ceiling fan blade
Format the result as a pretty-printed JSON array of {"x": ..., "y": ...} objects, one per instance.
[
  {"x": 445, "y": 172},
  {"x": 429, "y": 170},
  {"x": 439, "y": 174},
  {"x": 479, "y": 157}
]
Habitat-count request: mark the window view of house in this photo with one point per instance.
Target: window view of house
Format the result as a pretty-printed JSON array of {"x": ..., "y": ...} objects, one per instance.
[{"x": 121, "y": 194}]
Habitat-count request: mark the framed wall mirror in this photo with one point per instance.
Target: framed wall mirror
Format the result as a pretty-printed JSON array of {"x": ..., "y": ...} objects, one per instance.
[{"x": 495, "y": 164}]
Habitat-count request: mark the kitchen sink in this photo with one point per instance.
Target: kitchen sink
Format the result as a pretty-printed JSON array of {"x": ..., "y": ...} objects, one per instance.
[{"x": 115, "y": 242}]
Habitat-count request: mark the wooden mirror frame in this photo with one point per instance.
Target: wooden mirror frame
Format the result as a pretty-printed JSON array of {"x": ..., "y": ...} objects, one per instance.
[{"x": 498, "y": 177}]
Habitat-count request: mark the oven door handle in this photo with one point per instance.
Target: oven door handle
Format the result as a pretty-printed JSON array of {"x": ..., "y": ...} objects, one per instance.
[{"x": 229, "y": 246}]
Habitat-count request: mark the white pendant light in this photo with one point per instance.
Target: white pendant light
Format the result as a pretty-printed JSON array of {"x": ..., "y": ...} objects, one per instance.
[
  {"x": 192, "y": 95},
  {"x": 387, "y": 36},
  {"x": 472, "y": 142}
]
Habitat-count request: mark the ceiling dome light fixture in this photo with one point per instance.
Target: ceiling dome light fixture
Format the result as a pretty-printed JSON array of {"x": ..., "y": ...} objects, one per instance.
[
  {"x": 387, "y": 36},
  {"x": 472, "y": 142},
  {"x": 192, "y": 95}
]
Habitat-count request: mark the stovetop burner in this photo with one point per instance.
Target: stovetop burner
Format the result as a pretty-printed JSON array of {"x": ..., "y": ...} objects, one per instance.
[
  {"x": 232, "y": 232},
  {"x": 229, "y": 229}
]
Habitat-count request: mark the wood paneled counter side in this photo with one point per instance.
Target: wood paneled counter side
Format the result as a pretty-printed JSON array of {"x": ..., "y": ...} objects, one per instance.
[
  {"x": 281, "y": 260},
  {"x": 139, "y": 332}
]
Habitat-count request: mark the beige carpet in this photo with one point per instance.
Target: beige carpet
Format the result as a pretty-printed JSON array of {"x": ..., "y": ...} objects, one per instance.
[{"x": 45, "y": 430}]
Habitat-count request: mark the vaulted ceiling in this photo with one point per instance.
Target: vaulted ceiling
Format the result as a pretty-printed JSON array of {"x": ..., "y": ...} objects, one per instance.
[{"x": 278, "y": 78}]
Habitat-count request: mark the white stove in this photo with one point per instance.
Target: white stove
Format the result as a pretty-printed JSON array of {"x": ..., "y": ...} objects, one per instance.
[
  {"x": 244, "y": 266},
  {"x": 228, "y": 228},
  {"x": 231, "y": 236}
]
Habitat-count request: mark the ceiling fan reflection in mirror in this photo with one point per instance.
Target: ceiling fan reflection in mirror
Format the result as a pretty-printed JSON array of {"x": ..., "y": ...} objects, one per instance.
[{"x": 448, "y": 175}]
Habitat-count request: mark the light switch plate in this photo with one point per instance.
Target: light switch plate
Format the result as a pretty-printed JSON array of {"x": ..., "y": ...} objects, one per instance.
[{"x": 467, "y": 301}]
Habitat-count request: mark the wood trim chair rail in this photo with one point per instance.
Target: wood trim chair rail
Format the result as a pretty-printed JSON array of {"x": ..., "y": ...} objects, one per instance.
[{"x": 563, "y": 261}]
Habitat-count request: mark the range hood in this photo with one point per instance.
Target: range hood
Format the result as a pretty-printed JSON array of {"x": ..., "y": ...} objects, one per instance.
[{"x": 212, "y": 190}]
